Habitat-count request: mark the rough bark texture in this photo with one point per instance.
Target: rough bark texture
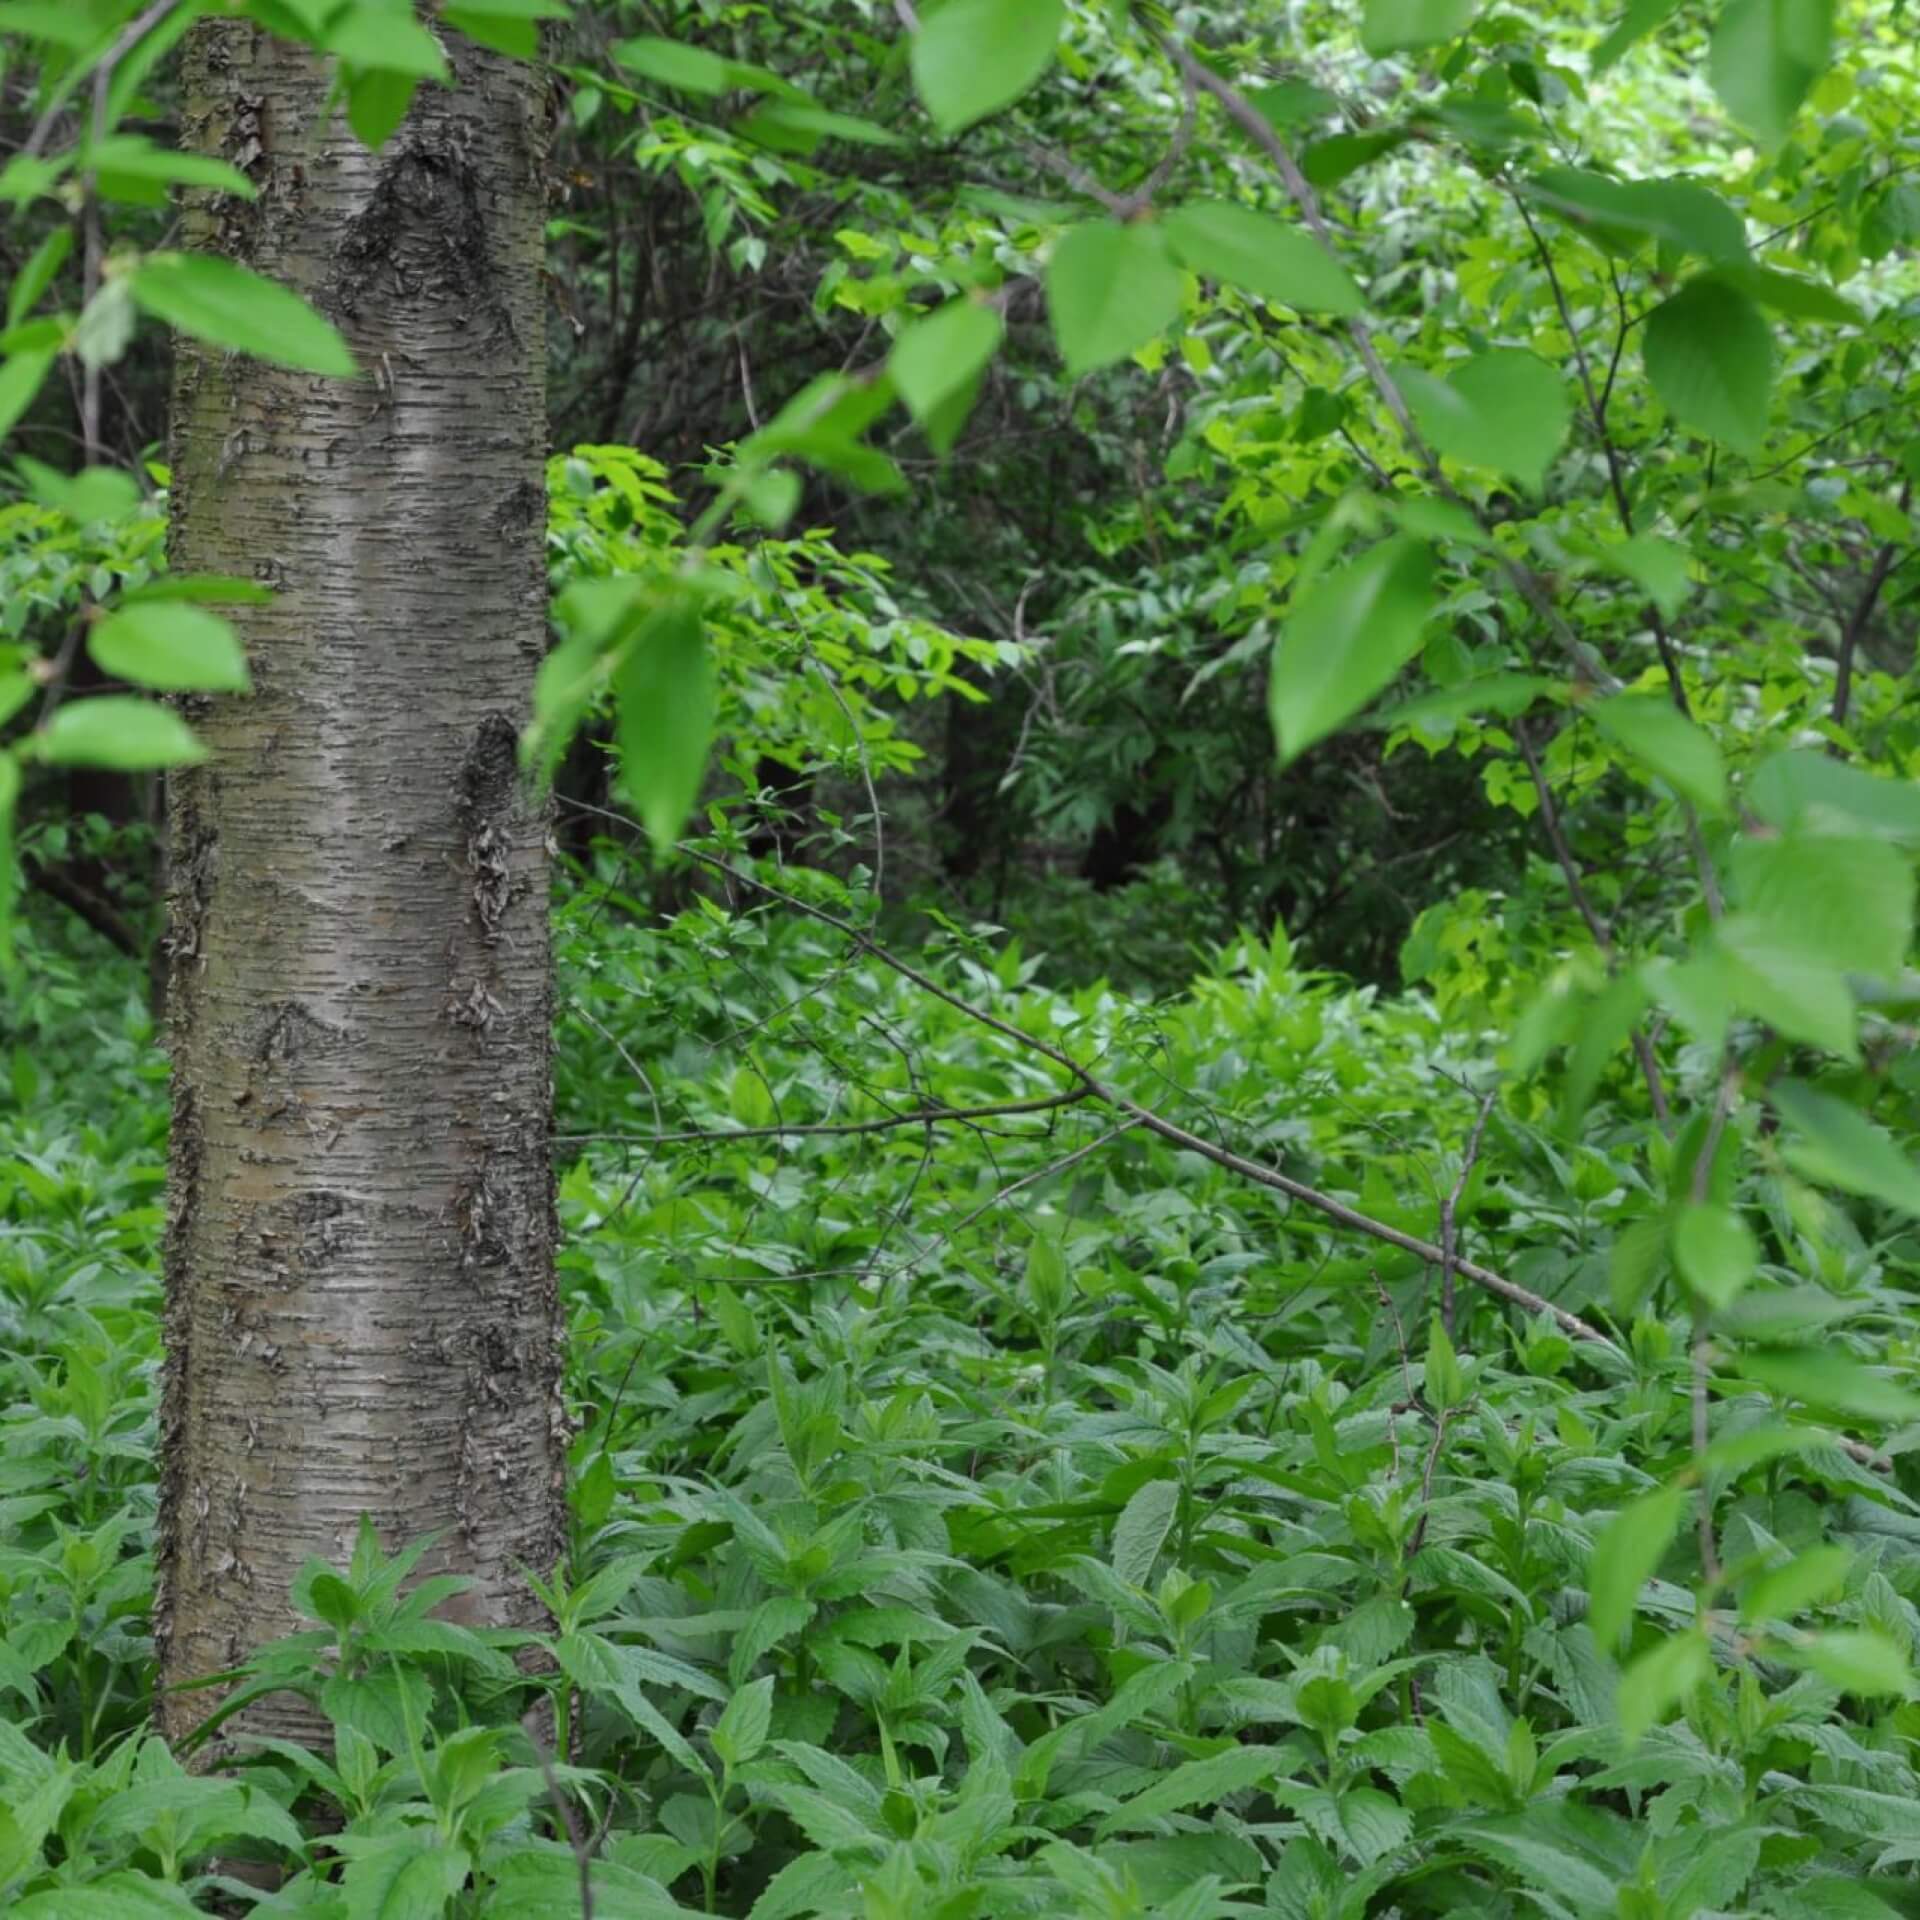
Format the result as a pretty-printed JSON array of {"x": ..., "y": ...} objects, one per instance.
[{"x": 361, "y": 1309}]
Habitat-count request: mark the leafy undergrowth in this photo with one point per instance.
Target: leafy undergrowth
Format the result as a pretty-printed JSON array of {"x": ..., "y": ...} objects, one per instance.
[{"x": 1011, "y": 1517}]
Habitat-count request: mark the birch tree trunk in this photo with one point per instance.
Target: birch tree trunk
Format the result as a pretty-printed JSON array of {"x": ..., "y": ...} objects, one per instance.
[{"x": 361, "y": 1307}]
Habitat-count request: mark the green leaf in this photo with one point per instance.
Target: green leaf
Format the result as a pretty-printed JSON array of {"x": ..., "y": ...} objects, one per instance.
[
  {"x": 118, "y": 731},
  {"x": 1858, "y": 1661},
  {"x": 1830, "y": 1381},
  {"x": 1766, "y": 970},
  {"x": 1622, "y": 215},
  {"x": 1346, "y": 639},
  {"x": 1444, "y": 1380},
  {"x": 405, "y": 1878},
  {"x": 1628, "y": 1549},
  {"x": 1659, "y": 568},
  {"x": 387, "y": 40},
  {"x": 377, "y": 103},
  {"x": 1261, "y": 255},
  {"x": 1764, "y": 58},
  {"x": 172, "y": 646},
  {"x": 20, "y": 379},
  {"x": 217, "y": 301},
  {"x": 1392, "y": 26},
  {"x": 37, "y": 275},
  {"x": 689, "y": 69},
  {"x": 794, "y": 126},
  {"x": 1441, "y": 710},
  {"x": 507, "y": 26},
  {"x": 1505, "y": 409},
  {"x": 1716, "y": 1253},
  {"x": 1841, "y": 903},
  {"x": 1709, "y": 354},
  {"x": 1142, "y": 1528},
  {"x": 1815, "y": 793},
  {"x": 1805, "y": 1581},
  {"x": 1664, "y": 741},
  {"x": 973, "y": 57},
  {"x": 741, "y": 1730},
  {"x": 125, "y": 162},
  {"x": 665, "y": 691},
  {"x": 941, "y": 357},
  {"x": 1838, "y": 1146},
  {"x": 1662, "y": 1676},
  {"x": 1198, "y": 1783},
  {"x": 1641, "y": 18},
  {"x": 1791, "y": 294},
  {"x": 1110, "y": 289}
]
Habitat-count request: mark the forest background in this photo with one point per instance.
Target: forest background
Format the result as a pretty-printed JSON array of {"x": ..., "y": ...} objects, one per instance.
[{"x": 1235, "y": 1124}]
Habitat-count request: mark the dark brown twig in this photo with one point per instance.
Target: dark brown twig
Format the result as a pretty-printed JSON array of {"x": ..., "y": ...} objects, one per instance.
[{"x": 1450, "y": 1205}]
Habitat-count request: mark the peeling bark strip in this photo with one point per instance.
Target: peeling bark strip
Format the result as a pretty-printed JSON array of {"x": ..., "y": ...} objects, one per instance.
[{"x": 361, "y": 1310}]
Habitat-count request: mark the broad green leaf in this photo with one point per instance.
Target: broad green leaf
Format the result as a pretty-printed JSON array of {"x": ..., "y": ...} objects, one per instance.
[
  {"x": 1806, "y": 1580},
  {"x": 1709, "y": 354},
  {"x": 117, "y": 731},
  {"x": 1661, "y": 569},
  {"x": 1261, "y": 255},
  {"x": 1765, "y": 969},
  {"x": 1856, "y": 1660},
  {"x": 1663, "y": 740},
  {"x": 1625, "y": 1554},
  {"x": 1346, "y": 639},
  {"x": 665, "y": 691},
  {"x": 1549, "y": 1846},
  {"x": 741, "y": 1730},
  {"x": 215, "y": 300},
  {"x": 1838, "y": 1146},
  {"x": 1764, "y": 58},
  {"x": 410, "y": 1877},
  {"x": 1505, "y": 409},
  {"x": 1142, "y": 1528},
  {"x": 1830, "y": 1381},
  {"x": 941, "y": 357},
  {"x": 1622, "y": 215},
  {"x": 1392, "y": 26},
  {"x": 1842, "y": 903},
  {"x": 1716, "y": 1253},
  {"x": 970, "y": 58},
  {"x": 1641, "y": 18},
  {"x": 1662, "y": 1677},
  {"x": 1815, "y": 793},
  {"x": 172, "y": 646},
  {"x": 1110, "y": 290}
]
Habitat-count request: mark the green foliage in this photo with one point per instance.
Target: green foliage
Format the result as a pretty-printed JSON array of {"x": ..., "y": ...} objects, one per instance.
[{"x": 1025, "y": 1511}]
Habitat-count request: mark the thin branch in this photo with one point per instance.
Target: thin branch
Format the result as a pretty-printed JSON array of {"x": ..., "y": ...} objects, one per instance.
[
  {"x": 1602, "y": 937},
  {"x": 1450, "y": 1206},
  {"x": 1857, "y": 626},
  {"x": 921, "y": 1117},
  {"x": 1169, "y": 1130}
]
